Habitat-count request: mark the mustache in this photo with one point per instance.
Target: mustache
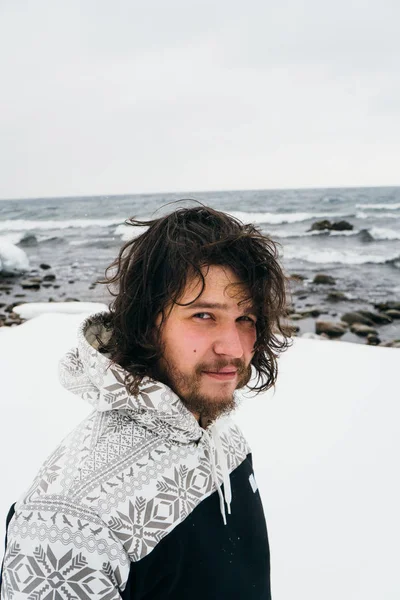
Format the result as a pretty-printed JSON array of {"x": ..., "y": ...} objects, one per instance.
[{"x": 219, "y": 364}]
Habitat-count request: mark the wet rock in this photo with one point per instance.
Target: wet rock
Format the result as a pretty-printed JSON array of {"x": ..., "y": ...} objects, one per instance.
[
  {"x": 30, "y": 285},
  {"x": 322, "y": 279},
  {"x": 71, "y": 281},
  {"x": 313, "y": 311},
  {"x": 28, "y": 240},
  {"x": 387, "y": 306},
  {"x": 49, "y": 277},
  {"x": 362, "y": 330},
  {"x": 373, "y": 339},
  {"x": 2, "y": 304},
  {"x": 47, "y": 285},
  {"x": 378, "y": 318},
  {"x": 20, "y": 295},
  {"x": 296, "y": 317},
  {"x": 5, "y": 288},
  {"x": 297, "y": 277},
  {"x": 365, "y": 236},
  {"x": 10, "y": 307},
  {"x": 56, "y": 287},
  {"x": 51, "y": 300},
  {"x": 356, "y": 317},
  {"x": 391, "y": 344},
  {"x": 321, "y": 225},
  {"x": 72, "y": 300},
  {"x": 393, "y": 313},
  {"x": 45, "y": 266},
  {"x": 336, "y": 296},
  {"x": 330, "y": 328},
  {"x": 342, "y": 226}
]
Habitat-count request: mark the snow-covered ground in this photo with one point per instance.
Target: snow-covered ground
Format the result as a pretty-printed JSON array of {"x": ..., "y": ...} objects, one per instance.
[{"x": 326, "y": 451}]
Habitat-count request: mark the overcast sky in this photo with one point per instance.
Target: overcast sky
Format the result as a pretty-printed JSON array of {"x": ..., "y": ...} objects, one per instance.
[{"x": 121, "y": 96}]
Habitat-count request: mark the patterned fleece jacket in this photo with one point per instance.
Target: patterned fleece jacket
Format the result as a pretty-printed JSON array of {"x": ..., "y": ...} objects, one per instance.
[{"x": 139, "y": 501}]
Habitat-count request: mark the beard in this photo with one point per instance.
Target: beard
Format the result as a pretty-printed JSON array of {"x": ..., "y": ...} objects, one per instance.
[{"x": 188, "y": 387}]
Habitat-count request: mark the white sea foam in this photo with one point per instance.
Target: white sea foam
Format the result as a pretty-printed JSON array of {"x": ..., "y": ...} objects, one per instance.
[
  {"x": 380, "y": 233},
  {"x": 13, "y": 260},
  {"x": 281, "y": 218},
  {"x": 380, "y": 206},
  {"x": 128, "y": 232},
  {"x": 329, "y": 256},
  {"x": 386, "y": 215},
  {"x": 24, "y": 225}
]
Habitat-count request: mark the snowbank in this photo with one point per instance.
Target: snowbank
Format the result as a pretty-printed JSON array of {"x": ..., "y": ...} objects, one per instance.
[
  {"x": 325, "y": 448},
  {"x": 13, "y": 260},
  {"x": 35, "y": 309}
]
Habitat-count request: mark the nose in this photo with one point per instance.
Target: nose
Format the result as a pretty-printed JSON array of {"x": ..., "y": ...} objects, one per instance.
[{"x": 228, "y": 343}]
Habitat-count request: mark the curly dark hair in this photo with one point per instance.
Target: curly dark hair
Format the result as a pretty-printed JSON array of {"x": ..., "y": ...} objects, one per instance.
[{"x": 151, "y": 271}]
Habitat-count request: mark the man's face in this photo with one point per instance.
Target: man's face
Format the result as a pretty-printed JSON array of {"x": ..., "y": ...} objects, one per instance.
[{"x": 208, "y": 345}]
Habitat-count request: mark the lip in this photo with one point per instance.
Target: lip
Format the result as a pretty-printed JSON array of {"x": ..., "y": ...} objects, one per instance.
[{"x": 221, "y": 375}]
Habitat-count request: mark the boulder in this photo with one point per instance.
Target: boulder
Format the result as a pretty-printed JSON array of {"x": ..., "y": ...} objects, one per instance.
[
  {"x": 49, "y": 277},
  {"x": 378, "y": 318},
  {"x": 30, "y": 285},
  {"x": 330, "y": 328},
  {"x": 373, "y": 339},
  {"x": 28, "y": 240},
  {"x": 362, "y": 330},
  {"x": 321, "y": 225},
  {"x": 387, "y": 306},
  {"x": 391, "y": 344},
  {"x": 295, "y": 277},
  {"x": 336, "y": 296},
  {"x": 323, "y": 279},
  {"x": 313, "y": 311},
  {"x": 365, "y": 236},
  {"x": 45, "y": 266},
  {"x": 393, "y": 313},
  {"x": 342, "y": 226},
  {"x": 356, "y": 317}
]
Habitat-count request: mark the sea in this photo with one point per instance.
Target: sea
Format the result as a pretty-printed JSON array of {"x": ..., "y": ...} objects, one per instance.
[{"x": 79, "y": 237}]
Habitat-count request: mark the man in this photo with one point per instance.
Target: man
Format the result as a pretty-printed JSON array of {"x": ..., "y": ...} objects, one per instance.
[{"x": 153, "y": 496}]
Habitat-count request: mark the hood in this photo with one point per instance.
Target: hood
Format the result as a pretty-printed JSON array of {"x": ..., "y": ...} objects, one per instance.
[{"x": 86, "y": 372}]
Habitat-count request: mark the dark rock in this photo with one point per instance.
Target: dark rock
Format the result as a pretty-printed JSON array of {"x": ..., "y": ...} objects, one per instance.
[
  {"x": 323, "y": 279},
  {"x": 44, "y": 266},
  {"x": 373, "y": 340},
  {"x": 20, "y": 295},
  {"x": 51, "y": 300},
  {"x": 47, "y": 285},
  {"x": 30, "y": 285},
  {"x": 330, "y": 328},
  {"x": 356, "y": 317},
  {"x": 56, "y": 287},
  {"x": 385, "y": 306},
  {"x": 363, "y": 330},
  {"x": 2, "y": 304},
  {"x": 72, "y": 300},
  {"x": 5, "y": 288},
  {"x": 378, "y": 318},
  {"x": 365, "y": 236},
  {"x": 10, "y": 307},
  {"x": 296, "y": 317},
  {"x": 342, "y": 226},
  {"x": 336, "y": 296},
  {"x": 293, "y": 276},
  {"x": 71, "y": 281},
  {"x": 28, "y": 240},
  {"x": 49, "y": 277},
  {"x": 314, "y": 311},
  {"x": 391, "y": 344},
  {"x": 321, "y": 225},
  {"x": 393, "y": 313}
]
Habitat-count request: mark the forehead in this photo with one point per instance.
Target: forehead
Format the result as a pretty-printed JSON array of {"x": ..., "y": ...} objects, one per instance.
[{"x": 221, "y": 284}]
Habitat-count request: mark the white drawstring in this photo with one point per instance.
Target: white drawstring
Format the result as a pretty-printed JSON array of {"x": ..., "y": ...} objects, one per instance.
[{"x": 218, "y": 457}]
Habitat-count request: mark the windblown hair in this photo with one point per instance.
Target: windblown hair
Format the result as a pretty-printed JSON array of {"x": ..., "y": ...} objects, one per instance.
[{"x": 151, "y": 271}]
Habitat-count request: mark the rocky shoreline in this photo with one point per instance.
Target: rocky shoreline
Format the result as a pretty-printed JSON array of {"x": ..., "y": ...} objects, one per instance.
[{"x": 317, "y": 310}]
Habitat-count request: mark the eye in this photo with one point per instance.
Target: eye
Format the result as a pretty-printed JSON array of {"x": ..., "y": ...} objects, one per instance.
[
  {"x": 203, "y": 316},
  {"x": 247, "y": 319}
]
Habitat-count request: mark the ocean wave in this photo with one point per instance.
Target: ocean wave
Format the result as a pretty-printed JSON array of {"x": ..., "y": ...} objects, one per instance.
[
  {"x": 380, "y": 206},
  {"x": 24, "y": 225},
  {"x": 128, "y": 232},
  {"x": 282, "y": 218},
  {"x": 380, "y": 233},
  {"x": 344, "y": 257},
  {"x": 386, "y": 215},
  {"x": 300, "y": 234}
]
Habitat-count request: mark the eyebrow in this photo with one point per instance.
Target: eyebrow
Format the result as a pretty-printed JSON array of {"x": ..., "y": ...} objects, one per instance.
[{"x": 249, "y": 310}]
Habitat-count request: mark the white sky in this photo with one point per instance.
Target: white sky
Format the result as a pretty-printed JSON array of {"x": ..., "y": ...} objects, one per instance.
[{"x": 101, "y": 97}]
